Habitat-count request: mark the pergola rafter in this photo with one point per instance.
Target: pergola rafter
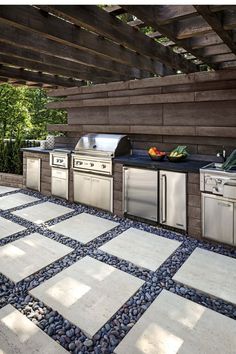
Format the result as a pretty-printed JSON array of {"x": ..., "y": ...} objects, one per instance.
[
  {"x": 84, "y": 43},
  {"x": 97, "y": 20}
]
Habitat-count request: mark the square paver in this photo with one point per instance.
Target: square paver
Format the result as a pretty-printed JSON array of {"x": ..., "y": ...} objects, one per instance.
[
  {"x": 141, "y": 248},
  {"x": 84, "y": 227},
  {"x": 25, "y": 256},
  {"x": 8, "y": 227},
  {"x": 88, "y": 293},
  {"x": 42, "y": 212},
  {"x": 174, "y": 325},
  {"x": 19, "y": 335},
  {"x": 211, "y": 273},
  {"x": 5, "y": 189},
  {"x": 15, "y": 200}
]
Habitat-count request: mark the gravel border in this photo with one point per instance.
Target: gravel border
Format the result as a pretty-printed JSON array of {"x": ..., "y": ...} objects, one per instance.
[{"x": 109, "y": 336}]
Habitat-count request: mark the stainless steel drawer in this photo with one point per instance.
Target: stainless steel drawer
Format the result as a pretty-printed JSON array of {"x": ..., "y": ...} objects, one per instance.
[{"x": 60, "y": 183}]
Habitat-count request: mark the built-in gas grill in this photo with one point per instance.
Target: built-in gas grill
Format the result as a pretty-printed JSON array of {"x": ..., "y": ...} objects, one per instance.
[{"x": 92, "y": 165}]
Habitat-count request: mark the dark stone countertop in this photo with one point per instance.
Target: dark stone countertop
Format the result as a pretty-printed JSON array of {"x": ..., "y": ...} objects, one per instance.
[
  {"x": 143, "y": 161},
  {"x": 36, "y": 150}
]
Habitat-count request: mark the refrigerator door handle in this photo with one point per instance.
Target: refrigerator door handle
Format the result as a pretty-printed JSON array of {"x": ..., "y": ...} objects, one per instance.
[{"x": 163, "y": 198}]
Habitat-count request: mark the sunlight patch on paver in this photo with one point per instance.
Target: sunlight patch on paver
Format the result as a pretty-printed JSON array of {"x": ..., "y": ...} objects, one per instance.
[
  {"x": 15, "y": 200},
  {"x": 19, "y": 335},
  {"x": 42, "y": 212},
  {"x": 141, "y": 248},
  {"x": 88, "y": 293},
  {"x": 174, "y": 325},
  {"x": 25, "y": 256},
  {"x": 211, "y": 273},
  {"x": 84, "y": 227},
  {"x": 8, "y": 227}
]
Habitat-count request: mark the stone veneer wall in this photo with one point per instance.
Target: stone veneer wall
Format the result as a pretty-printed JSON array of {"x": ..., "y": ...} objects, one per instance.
[{"x": 11, "y": 180}]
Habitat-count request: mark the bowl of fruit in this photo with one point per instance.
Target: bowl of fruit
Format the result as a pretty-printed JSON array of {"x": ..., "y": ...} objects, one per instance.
[
  {"x": 178, "y": 154},
  {"x": 155, "y": 154}
]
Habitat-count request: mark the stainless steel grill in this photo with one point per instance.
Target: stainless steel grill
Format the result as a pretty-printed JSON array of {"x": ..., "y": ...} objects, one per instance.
[
  {"x": 92, "y": 165},
  {"x": 94, "y": 152}
]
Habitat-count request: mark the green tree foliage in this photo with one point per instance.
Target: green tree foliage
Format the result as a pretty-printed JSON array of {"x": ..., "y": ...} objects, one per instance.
[{"x": 23, "y": 113}]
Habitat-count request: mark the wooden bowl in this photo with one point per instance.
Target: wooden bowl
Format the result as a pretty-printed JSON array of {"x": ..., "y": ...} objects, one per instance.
[{"x": 157, "y": 158}]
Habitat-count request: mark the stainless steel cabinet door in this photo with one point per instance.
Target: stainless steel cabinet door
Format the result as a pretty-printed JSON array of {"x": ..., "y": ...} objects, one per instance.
[
  {"x": 218, "y": 218},
  {"x": 82, "y": 188},
  {"x": 173, "y": 199},
  {"x": 60, "y": 183},
  {"x": 141, "y": 192},
  {"x": 102, "y": 193},
  {"x": 33, "y": 168}
]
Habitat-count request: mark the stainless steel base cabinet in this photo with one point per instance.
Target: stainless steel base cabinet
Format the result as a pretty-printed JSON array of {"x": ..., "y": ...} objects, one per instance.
[
  {"x": 93, "y": 190},
  {"x": 140, "y": 192},
  {"x": 60, "y": 182},
  {"x": 218, "y": 216},
  {"x": 33, "y": 170},
  {"x": 173, "y": 199}
]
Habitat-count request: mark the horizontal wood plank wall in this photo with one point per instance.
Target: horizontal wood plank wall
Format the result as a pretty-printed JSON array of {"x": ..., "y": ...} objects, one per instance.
[{"x": 198, "y": 110}]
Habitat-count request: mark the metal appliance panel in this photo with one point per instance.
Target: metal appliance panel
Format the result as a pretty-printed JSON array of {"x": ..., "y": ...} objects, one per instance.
[
  {"x": 140, "y": 192},
  {"x": 217, "y": 218},
  {"x": 173, "y": 199},
  {"x": 60, "y": 182},
  {"x": 33, "y": 168},
  {"x": 229, "y": 190},
  {"x": 59, "y": 159},
  {"x": 93, "y": 190},
  {"x": 101, "y": 193},
  {"x": 92, "y": 164},
  {"x": 107, "y": 144}
]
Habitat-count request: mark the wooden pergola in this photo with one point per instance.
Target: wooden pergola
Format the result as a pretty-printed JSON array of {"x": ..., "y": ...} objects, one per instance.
[{"x": 66, "y": 46}]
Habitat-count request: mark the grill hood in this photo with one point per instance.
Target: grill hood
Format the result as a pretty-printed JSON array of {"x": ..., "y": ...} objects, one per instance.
[{"x": 103, "y": 144}]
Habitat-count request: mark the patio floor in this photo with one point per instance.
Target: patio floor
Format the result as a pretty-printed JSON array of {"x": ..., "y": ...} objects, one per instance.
[{"x": 80, "y": 280}]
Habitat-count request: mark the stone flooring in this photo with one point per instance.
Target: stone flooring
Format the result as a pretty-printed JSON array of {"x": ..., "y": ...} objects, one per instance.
[
  {"x": 20, "y": 335},
  {"x": 75, "y": 279},
  {"x": 42, "y": 212},
  {"x": 84, "y": 227},
  {"x": 209, "y": 272},
  {"x": 7, "y": 228},
  {"x": 173, "y": 324},
  {"x": 15, "y": 200},
  {"x": 88, "y": 293},
  {"x": 141, "y": 248}
]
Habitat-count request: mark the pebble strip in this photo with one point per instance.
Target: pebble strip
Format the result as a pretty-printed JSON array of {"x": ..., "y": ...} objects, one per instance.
[{"x": 109, "y": 336}]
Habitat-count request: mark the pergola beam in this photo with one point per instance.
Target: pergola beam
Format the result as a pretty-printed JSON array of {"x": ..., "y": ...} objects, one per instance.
[
  {"x": 34, "y": 42},
  {"x": 63, "y": 32},
  {"x": 56, "y": 65},
  {"x": 215, "y": 22},
  {"x": 149, "y": 14},
  {"x": 95, "y": 19},
  {"x": 26, "y": 75}
]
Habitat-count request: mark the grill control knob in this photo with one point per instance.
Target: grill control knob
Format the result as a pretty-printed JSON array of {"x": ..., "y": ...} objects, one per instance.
[
  {"x": 103, "y": 166},
  {"x": 78, "y": 163},
  {"x": 91, "y": 164}
]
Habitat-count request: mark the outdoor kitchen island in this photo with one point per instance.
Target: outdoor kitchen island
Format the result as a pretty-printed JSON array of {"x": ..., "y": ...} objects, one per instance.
[{"x": 188, "y": 167}]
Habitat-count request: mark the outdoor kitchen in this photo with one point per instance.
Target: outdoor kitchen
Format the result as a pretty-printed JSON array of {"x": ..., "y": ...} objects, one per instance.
[
  {"x": 117, "y": 179},
  {"x": 113, "y": 167}
]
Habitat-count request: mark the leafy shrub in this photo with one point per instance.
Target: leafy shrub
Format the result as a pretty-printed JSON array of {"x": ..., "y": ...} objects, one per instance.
[{"x": 11, "y": 156}]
